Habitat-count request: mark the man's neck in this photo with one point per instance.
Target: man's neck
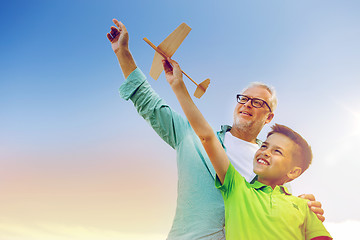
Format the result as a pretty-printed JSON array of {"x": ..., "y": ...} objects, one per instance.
[{"x": 244, "y": 135}]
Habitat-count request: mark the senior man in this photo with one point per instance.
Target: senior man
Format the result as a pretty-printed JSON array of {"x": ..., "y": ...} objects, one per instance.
[{"x": 200, "y": 208}]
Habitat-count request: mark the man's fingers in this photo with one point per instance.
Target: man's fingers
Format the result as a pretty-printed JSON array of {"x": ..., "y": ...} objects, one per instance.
[
  {"x": 173, "y": 62},
  {"x": 120, "y": 25},
  {"x": 314, "y": 204},
  {"x": 167, "y": 66},
  {"x": 310, "y": 197},
  {"x": 110, "y": 37},
  {"x": 320, "y": 217},
  {"x": 114, "y": 31},
  {"x": 176, "y": 66},
  {"x": 117, "y": 23},
  {"x": 317, "y": 210}
]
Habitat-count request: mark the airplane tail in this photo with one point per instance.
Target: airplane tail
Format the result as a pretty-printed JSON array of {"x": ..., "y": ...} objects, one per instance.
[{"x": 200, "y": 90}]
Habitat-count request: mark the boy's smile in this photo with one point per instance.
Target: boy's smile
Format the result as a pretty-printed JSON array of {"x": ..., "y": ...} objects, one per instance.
[
  {"x": 263, "y": 161},
  {"x": 274, "y": 160}
]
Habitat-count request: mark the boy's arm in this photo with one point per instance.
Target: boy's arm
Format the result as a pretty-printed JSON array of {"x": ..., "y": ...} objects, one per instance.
[
  {"x": 313, "y": 227},
  {"x": 201, "y": 127}
]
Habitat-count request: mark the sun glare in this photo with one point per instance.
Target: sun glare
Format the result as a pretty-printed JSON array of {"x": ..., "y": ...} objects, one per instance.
[{"x": 355, "y": 118}]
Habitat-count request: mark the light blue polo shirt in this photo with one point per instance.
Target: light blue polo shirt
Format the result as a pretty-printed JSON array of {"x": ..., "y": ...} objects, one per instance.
[{"x": 200, "y": 207}]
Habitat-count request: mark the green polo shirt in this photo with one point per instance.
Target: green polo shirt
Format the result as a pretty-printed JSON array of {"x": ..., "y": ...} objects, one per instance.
[{"x": 256, "y": 211}]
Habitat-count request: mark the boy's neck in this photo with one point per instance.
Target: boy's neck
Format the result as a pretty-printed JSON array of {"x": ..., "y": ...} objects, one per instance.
[{"x": 272, "y": 183}]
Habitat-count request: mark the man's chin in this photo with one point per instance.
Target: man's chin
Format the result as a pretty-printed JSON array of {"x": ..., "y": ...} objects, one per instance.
[{"x": 240, "y": 123}]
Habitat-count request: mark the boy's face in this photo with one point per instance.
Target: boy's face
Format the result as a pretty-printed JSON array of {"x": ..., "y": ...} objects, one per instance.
[{"x": 274, "y": 160}]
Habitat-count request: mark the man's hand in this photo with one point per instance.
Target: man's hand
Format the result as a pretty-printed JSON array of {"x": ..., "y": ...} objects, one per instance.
[
  {"x": 314, "y": 206},
  {"x": 119, "y": 39},
  {"x": 173, "y": 72},
  {"x": 118, "y": 36}
]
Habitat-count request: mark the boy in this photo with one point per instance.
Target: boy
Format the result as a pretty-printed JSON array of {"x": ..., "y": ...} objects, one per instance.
[{"x": 265, "y": 209}]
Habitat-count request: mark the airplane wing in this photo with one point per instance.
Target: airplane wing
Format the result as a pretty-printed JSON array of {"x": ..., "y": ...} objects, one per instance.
[{"x": 168, "y": 46}]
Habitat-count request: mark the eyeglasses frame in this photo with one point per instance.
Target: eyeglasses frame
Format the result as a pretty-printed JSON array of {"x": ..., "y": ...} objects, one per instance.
[{"x": 251, "y": 101}]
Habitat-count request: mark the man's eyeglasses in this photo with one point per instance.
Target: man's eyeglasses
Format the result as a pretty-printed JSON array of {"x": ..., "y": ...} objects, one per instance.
[{"x": 255, "y": 102}]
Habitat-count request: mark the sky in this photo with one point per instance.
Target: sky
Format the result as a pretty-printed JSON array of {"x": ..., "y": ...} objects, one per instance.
[{"x": 76, "y": 160}]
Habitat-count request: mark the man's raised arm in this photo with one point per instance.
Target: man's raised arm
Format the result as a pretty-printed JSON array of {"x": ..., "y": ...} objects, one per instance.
[
  {"x": 119, "y": 38},
  {"x": 169, "y": 125},
  {"x": 201, "y": 127}
]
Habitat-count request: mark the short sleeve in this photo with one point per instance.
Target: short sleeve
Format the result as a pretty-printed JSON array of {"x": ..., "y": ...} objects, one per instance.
[
  {"x": 313, "y": 226},
  {"x": 232, "y": 180}
]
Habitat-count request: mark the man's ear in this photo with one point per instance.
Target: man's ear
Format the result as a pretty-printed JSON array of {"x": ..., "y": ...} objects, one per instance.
[
  {"x": 294, "y": 173},
  {"x": 269, "y": 117}
]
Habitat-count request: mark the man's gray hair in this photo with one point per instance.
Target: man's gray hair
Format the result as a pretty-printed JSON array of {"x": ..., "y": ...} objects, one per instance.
[{"x": 270, "y": 89}]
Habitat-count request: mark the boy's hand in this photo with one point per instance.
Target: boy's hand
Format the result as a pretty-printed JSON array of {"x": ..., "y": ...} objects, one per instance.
[
  {"x": 173, "y": 72},
  {"x": 314, "y": 206},
  {"x": 119, "y": 37}
]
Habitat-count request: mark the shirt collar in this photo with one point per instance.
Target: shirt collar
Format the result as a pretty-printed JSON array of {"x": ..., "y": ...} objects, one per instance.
[
  {"x": 226, "y": 128},
  {"x": 268, "y": 189}
]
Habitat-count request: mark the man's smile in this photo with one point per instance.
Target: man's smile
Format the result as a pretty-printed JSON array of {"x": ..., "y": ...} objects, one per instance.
[{"x": 246, "y": 113}]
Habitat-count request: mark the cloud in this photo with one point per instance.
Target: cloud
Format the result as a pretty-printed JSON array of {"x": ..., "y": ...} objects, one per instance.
[
  {"x": 343, "y": 230},
  {"x": 65, "y": 232},
  {"x": 338, "y": 230}
]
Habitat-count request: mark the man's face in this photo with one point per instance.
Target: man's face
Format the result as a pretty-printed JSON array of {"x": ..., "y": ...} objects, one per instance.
[
  {"x": 247, "y": 116},
  {"x": 274, "y": 160}
]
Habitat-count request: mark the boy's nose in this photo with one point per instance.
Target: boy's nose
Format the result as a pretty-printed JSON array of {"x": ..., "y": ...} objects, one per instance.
[{"x": 266, "y": 153}]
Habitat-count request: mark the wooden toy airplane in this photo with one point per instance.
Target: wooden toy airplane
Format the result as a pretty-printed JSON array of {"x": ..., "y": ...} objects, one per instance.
[{"x": 166, "y": 49}]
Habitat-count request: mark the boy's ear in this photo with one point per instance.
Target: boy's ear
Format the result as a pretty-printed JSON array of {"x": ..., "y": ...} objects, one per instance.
[{"x": 294, "y": 173}]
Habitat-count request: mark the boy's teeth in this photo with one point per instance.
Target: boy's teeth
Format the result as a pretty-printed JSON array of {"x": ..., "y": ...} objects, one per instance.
[{"x": 262, "y": 162}]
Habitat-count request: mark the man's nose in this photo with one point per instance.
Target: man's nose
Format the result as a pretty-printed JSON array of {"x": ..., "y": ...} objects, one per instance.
[{"x": 248, "y": 104}]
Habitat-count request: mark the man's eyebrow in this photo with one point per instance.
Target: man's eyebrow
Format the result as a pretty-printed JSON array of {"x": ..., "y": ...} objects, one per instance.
[{"x": 259, "y": 99}]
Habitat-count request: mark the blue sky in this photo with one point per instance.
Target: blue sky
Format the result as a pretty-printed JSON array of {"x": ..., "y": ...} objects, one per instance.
[{"x": 67, "y": 134}]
